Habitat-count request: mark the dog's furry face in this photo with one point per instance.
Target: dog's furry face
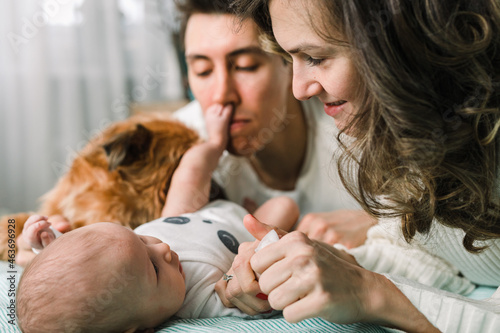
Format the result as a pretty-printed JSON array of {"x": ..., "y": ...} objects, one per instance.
[{"x": 123, "y": 174}]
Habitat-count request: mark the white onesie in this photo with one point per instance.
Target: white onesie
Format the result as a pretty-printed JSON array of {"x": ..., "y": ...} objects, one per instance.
[{"x": 207, "y": 242}]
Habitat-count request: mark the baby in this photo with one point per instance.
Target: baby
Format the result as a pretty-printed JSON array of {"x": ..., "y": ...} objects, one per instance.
[{"x": 107, "y": 278}]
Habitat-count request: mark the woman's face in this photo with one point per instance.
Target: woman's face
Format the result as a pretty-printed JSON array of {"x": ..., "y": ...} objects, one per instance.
[
  {"x": 226, "y": 65},
  {"x": 320, "y": 68}
]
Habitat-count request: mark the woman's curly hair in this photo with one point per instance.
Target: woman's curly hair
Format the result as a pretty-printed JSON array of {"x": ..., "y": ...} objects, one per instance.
[{"x": 427, "y": 132}]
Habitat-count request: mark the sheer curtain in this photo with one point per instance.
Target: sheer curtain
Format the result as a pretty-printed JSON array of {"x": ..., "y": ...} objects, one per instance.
[{"x": 67, "y": 69}]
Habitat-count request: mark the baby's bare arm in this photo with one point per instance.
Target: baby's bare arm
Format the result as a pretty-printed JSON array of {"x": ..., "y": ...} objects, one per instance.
[{"x": 190, "y": 186}]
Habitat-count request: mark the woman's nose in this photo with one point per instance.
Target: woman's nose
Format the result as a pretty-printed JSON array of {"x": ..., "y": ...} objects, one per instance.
[{"x": 305, "y": 84}]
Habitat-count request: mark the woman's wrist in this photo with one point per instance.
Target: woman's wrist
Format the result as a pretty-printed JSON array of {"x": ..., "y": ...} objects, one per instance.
[{"x": 388, "y": 306}]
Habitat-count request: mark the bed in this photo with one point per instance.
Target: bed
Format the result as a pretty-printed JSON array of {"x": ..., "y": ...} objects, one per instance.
[{"x": 221, "y": 324}]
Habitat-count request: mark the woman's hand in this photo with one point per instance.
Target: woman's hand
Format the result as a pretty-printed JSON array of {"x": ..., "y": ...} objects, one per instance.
[
  {"x": 243, "y": 290},
  {"x": 307, "y": 278},
  {"x": 347, "y": 227}
]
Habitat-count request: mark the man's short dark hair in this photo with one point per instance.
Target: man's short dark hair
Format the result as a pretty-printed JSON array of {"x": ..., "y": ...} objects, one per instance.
[{"x": 187, "y": 8}]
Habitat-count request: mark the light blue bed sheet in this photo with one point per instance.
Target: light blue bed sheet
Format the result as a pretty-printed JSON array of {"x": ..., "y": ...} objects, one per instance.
[{"x": 212, "y": 325}]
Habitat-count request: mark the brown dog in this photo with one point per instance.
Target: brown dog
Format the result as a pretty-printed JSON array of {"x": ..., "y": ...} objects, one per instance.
[{"x": 122, "y": 176}]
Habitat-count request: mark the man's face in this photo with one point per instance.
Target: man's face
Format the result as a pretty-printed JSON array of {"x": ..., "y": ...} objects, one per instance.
[{"x": 226, "y": 65}]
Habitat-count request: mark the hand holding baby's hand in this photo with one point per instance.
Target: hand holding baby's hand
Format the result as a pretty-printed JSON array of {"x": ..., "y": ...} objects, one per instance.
[
  {"x": 243, "y": 290},
  {"x": 37, "y": 233}
]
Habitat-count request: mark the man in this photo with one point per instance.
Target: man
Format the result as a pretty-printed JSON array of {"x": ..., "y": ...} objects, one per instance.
[{"x": 278, "y": 145}]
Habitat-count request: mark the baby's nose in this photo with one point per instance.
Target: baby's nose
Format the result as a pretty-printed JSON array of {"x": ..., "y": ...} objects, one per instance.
[{"x": 165, "y": 251}]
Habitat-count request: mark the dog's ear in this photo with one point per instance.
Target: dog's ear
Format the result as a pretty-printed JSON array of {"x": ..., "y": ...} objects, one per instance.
[{"x": 126, "y": 148}]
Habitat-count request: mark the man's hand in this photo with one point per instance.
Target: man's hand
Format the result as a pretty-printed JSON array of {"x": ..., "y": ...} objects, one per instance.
[{"x": 347, "y": 227}]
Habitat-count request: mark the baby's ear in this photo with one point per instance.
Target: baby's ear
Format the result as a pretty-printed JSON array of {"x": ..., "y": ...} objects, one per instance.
[{"x": 126, "y": 148}]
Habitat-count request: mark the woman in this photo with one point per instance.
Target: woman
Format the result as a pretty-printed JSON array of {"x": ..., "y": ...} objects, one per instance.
[
  {"x": 417, "y": 84},
  {"x": 278, "y": 145}
]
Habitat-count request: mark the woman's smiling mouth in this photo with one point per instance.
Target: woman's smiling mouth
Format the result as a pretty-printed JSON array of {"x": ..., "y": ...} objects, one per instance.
[{"x": 334, "y": 108}]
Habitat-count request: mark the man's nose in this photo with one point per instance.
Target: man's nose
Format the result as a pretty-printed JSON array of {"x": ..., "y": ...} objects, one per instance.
[{"x": 225, "y": 90}]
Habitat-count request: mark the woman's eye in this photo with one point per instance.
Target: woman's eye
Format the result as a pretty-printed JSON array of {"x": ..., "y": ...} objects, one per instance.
[{"x": 313, "y": 61}]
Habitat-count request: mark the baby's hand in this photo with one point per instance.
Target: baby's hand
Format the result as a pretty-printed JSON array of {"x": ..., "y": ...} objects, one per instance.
[
  {"x": 36, "y": 232},
  {"x": 217, "y": 119}
]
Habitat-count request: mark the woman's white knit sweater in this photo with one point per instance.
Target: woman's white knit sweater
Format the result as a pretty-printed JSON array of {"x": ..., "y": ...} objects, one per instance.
[{"x": 439, "y": 260}]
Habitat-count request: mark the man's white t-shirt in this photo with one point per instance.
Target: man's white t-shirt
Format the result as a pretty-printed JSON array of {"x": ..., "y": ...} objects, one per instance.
[{"x": 318, "y": 188}]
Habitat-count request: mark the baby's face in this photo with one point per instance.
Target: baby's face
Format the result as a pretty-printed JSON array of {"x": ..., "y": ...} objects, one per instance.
[{"x": 157, "y": 285}]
